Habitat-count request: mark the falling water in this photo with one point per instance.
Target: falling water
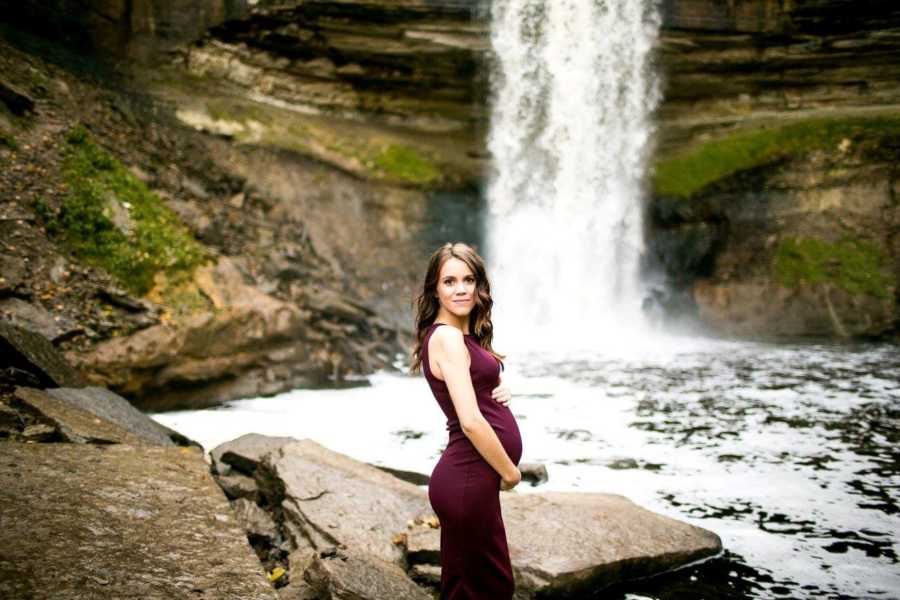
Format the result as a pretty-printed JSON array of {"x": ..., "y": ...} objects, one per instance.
[{"x": 573, "y": 92}]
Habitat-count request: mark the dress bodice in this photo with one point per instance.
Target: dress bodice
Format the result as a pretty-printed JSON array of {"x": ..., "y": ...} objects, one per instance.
[{"x": 485, "y": 372}]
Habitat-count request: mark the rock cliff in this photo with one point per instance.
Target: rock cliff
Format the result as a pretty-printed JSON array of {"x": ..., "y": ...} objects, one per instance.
[
  {"x": 320, "y": 150},
  {"x": 775, "y": 181}
]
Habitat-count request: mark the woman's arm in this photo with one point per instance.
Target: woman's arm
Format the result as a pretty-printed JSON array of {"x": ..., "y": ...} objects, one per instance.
[{"x": 451, "y": 356}]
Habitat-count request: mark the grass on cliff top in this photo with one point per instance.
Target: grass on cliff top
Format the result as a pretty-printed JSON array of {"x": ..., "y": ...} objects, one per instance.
[
  {"x": 376, "y": 156},
  {"x": 686, "y": 173},
  {"x": 856, "y": 266},
  {"x": 110, "y": 219}
]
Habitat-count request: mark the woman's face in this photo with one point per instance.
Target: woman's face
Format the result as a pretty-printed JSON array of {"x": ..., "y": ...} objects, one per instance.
[{"x": 456, "y": 287}]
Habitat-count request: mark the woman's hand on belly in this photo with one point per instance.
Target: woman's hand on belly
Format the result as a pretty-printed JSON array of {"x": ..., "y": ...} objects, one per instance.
[{"x": 502, "y": 394}]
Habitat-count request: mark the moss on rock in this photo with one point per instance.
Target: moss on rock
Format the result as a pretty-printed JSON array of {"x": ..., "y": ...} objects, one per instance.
[
  {"x": 688, "y": 172},
  {"x": 857, "y": 266},
  {"x": 404, "y": 162},
  {"x": 110, "y": 219},
  {"x": 365, "y": 151}
]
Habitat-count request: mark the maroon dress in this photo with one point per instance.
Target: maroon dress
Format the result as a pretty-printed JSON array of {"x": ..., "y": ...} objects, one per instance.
[{"x": 465, "y": 490}]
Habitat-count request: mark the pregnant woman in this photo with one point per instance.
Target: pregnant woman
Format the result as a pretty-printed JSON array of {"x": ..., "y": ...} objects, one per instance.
[{"x": 484, "y": 445}]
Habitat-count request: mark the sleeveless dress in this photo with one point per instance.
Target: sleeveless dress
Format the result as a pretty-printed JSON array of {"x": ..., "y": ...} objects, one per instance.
[{"x": 464, "y": 490}]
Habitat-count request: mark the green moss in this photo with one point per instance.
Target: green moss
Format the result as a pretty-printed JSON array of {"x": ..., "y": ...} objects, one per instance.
[
  {"x": 371, "y": 154},
  {"x": 856, "y": 266},
  {"x": 686, "y": 173},
  {"x": 149, "y": 237},
  {"x": 404, "y": 162}
]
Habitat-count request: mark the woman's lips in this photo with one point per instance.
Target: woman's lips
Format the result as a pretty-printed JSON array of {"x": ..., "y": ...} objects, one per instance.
[{"x": 460, "y": 301}]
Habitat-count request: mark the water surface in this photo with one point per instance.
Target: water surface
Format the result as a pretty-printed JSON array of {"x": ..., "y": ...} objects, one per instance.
[{"x": 789, "y": 453}]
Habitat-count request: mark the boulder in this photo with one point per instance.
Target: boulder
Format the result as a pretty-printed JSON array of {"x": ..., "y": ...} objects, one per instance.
[
  {"x": 534, "y": 473},
  {"x": 561, "y": 543},
  {"x": 199, "y": 360},
  {"x": 429, "y": 575},
  {"x": 298, "y": 588},
  {"x": 237, "y": 485},
  {"x": 110, "y": 406},
  {"x": 34, "y": 317},
  {"x": 119, "y": 521},
  {"x": 72, "y": 423},
  {"x": 40, "y": 432},
  {"x": 423, "y": 544},
  {"x": 351, "y": 575},
  {"x": 10, "y": 421},
  {"x": 244, "y": 453},
  {"x": 255, "y": 521},
  {"x": 565, "y": 543},
  {"x": 329, "y": 499},
  {"x": 410, "y": 476},
  {"x": 32, "y": 352}
]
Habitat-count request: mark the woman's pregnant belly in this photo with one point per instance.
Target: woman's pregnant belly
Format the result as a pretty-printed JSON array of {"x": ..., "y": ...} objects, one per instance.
[{"x": 504, "y": 425}]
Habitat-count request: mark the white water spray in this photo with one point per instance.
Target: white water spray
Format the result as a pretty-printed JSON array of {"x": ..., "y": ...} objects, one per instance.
[{"x": 570, "y": 133}]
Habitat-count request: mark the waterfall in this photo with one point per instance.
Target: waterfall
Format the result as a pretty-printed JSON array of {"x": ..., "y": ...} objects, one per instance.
[{"x": 572, "y": 95}]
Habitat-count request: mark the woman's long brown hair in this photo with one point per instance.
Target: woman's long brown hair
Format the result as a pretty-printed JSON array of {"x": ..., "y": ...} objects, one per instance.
[{"x": 427, "y": 304}]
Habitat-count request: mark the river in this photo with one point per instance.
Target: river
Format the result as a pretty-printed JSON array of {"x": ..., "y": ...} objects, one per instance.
[{"x": 789, "y": 453}]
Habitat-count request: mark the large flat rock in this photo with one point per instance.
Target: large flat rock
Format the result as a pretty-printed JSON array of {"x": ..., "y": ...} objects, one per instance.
[
  {"x": 119, "y": 521},
  {"x": 349, "y": 575},
  {"x": 74, "y": 424},
  {"x": 331, "y": 499},
  {"x": 96, "y": 415},
  {"x": 112, "y": 407},
  {"x": 243, "y": 453},
  {"x": 563, "y": 543},
  {"x": 32, "y": 352}
]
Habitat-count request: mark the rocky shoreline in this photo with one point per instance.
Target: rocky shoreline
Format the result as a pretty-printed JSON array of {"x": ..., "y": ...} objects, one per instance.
[
  {"x": 160, "y": 274},
  {"x": 98, "y": 498}
]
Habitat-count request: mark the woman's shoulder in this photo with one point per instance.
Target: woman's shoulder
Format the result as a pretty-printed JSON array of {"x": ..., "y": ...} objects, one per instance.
[
  {"x": 447, "y": 334},
  {"x": 447, "y": 339}
]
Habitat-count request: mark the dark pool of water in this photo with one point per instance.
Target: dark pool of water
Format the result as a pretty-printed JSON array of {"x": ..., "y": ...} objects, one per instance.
[{"x": 805, "y": 488}]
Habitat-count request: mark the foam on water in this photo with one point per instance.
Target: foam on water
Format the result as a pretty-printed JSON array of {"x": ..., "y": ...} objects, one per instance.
[{"x": 785, "y": 452}]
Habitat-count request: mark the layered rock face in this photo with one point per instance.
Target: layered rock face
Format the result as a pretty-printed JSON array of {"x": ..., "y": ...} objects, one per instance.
[
  {"x": 357, "y": 132},
  {"x": 775, "y": 207},
  {"x": 390, "y": 76}
]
